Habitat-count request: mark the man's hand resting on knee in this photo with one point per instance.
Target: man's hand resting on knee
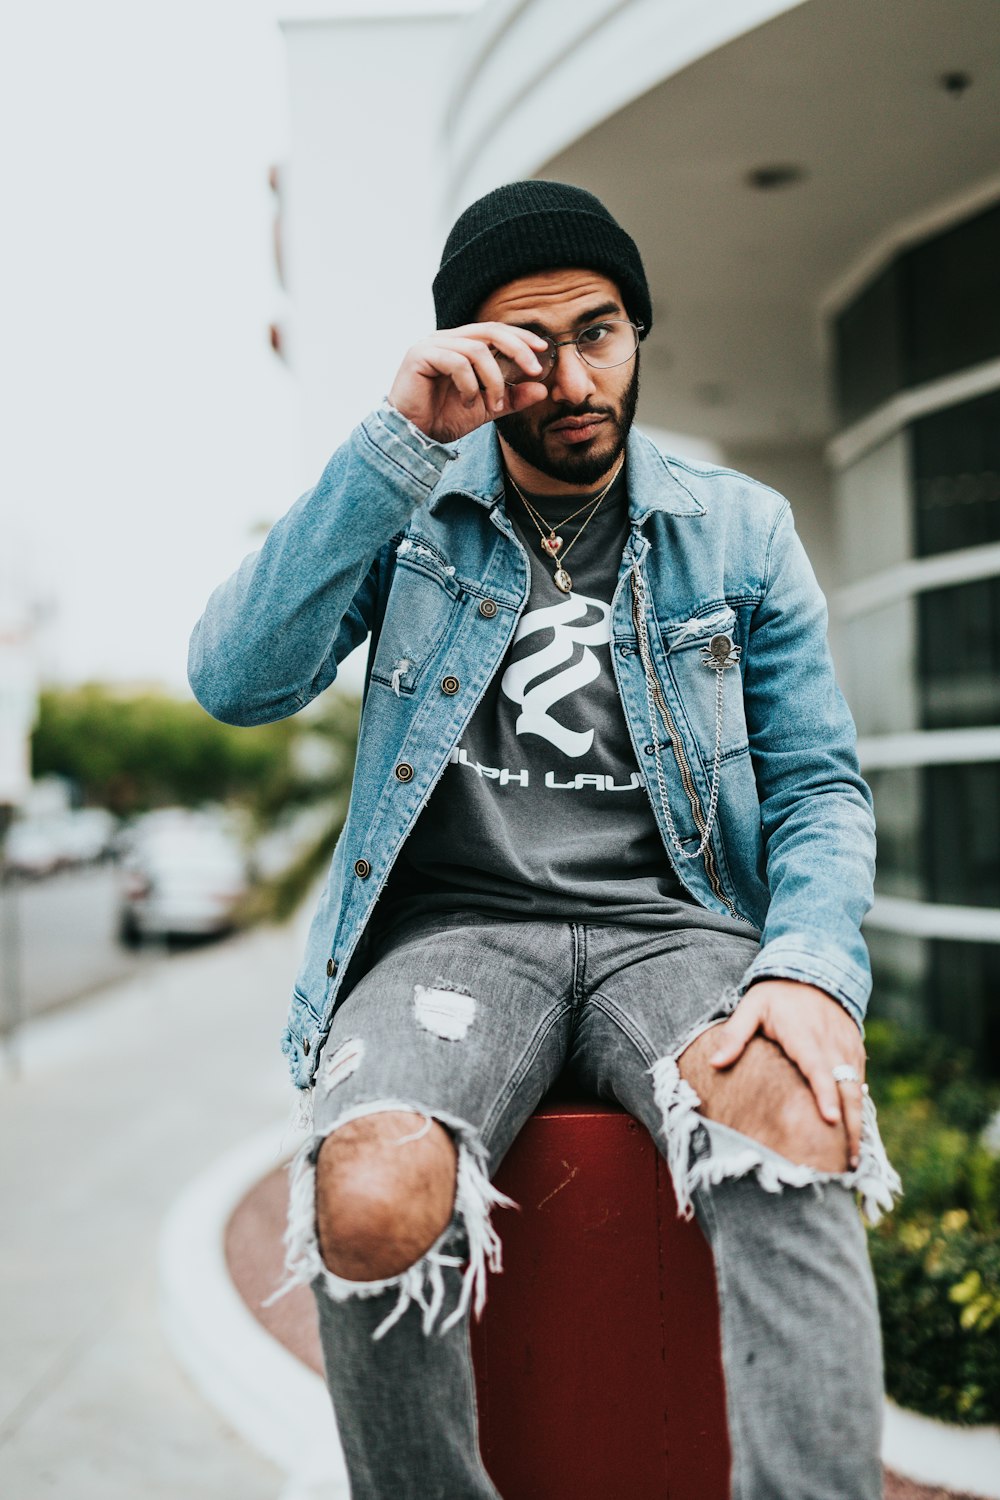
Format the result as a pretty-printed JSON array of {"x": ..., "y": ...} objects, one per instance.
[{"x": 814, "y": 1031}]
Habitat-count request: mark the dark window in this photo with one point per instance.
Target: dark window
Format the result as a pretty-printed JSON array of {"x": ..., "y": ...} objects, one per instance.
[
  {"x": 900, "y": 977},
  {"x": 933, "y": 311},
  {"x": 899, "y": 809},
  {"x": 869, "y": 360},
  {"x": 956, "y": 476},
  {"x": 962, "y": 834},
  {"x": 959, "y": 666},
  {"x": 951, "y": 299},
  {"x": 939, "y": 833},
  {"x": 949, "y": 987}
]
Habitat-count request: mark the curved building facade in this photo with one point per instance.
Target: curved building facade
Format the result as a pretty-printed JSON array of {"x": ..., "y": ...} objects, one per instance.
[
  {"x": 917, "y": 483},
  {"x": 816, "y": 190}
]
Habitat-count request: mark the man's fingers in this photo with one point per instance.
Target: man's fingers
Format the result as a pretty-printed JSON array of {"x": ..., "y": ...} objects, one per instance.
[
  {"x": 467, "y": 357},
  {"x": 520, "y": 343},
  {"x": 851, "y": 1096},
  {"x": 812, "y": 1062},
  {"x": 734, "y": 1034},
  {"x": 499, "y": 338},
  {"x": 457, "y": 368},
  {"x": 488, "y": 375},
  {"x": 816, "y": 1034}
]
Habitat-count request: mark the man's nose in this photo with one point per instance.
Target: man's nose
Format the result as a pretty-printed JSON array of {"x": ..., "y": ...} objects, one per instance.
[{"x": 572, "y": 379}]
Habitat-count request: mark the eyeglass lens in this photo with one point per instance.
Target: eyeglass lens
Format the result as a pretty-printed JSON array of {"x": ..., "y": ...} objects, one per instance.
[{"x": 601, "y": 345}]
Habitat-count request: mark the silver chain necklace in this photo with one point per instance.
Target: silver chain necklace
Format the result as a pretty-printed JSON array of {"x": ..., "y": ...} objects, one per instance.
[
  {"x": 552, "y": 544},
  {"x": 720, "y": 654}
]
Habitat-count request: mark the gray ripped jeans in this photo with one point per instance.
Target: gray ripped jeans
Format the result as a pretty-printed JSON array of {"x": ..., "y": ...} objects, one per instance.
[{"x": 468, "y": 1020}]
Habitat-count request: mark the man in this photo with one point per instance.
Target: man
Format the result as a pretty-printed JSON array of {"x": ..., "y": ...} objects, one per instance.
[{"x": 606, "y": 816}]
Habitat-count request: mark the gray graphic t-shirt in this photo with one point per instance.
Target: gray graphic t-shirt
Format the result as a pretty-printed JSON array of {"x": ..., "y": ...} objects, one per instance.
[{"x": 542, "y": 811}]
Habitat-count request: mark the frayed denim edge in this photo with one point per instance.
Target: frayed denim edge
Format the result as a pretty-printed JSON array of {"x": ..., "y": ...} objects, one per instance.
[
  {"x": 875, "y": 1180},
  {"x": 423, "y": 1282}
]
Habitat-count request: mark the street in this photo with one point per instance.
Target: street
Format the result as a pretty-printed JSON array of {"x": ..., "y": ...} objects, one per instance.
[
  {"x": 118, "y": 1102},
  {"x": 67, "y": 939}
]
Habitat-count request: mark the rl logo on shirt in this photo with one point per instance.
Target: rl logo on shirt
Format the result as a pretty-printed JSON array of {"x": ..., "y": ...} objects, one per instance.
[{"x": 537, "y": 700}]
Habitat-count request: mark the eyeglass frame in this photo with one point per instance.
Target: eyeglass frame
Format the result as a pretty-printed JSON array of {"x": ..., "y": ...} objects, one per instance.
[{"x": 556, "y": 344}]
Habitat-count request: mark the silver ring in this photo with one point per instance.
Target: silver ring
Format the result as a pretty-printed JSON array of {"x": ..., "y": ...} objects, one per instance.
[{"x": 844, "y": 1073}]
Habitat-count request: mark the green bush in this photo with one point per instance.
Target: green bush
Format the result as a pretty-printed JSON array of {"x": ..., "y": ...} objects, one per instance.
[
  {"x": 135, "y": 752},
  {"x": 337, "y": 726},
  {"x": 937, "y": 1256}
]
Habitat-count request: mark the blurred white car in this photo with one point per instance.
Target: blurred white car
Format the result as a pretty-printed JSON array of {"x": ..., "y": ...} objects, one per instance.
[
  {"x": 87, "y": 834},
  {"x": 33, "y": 847},
  {"x": 183, "y": 877},
  {"x": 39, "y": 845}
]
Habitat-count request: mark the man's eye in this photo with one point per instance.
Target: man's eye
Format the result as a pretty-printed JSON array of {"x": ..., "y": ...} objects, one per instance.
[{"x": 595, "y": 334}]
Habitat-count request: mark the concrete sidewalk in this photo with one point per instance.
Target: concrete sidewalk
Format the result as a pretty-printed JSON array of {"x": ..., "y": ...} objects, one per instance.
[{"x": 118, "y": 1105}]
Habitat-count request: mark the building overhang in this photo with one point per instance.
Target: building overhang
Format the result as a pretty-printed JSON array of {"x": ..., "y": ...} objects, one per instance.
[{"x": 853, "y": 99}]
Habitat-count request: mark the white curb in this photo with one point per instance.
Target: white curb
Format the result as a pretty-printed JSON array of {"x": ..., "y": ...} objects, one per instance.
[
  {"x": 274, "y": 1402},
  {"x": 938, "y": 1453}
]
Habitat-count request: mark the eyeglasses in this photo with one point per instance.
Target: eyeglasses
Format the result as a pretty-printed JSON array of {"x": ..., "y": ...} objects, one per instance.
[{"x": 600, "y": 345}]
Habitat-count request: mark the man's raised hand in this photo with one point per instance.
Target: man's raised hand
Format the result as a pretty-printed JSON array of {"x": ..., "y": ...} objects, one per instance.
[{"x": 450, "y": 383}]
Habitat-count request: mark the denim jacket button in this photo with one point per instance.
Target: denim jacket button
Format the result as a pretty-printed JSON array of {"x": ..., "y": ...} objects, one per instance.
[
  {"x": 487, "y": 608},
  {"x": 449, "y": 685},
  {"x": 331, "y": 968},
  {"x": 404, "y": 771},
  {"x": 305, "y": 1047},
  {"x": 362, "y": 869}
]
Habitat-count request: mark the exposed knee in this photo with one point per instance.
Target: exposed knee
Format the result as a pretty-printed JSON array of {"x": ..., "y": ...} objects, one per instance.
[
  {"x": 763, "y": 1095},
  {"x": 806, "y": 1137},
  {"x": 385, "y": 1190}
]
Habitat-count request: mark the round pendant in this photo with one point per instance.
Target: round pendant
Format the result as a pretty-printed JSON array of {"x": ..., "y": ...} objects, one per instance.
[
  {"x": 562, "y": 580},
  {"x": 551, "y": 544}
]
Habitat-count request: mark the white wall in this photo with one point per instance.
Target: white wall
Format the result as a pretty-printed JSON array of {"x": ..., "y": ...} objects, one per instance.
[
  {"x": 361, "y": 192},
  {"x": 536, "y": 75},
  {"x": 878, "y": 647}
]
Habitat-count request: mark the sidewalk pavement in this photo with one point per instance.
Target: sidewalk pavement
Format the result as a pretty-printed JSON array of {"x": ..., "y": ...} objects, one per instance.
[{"x": 119, "y": 1103}]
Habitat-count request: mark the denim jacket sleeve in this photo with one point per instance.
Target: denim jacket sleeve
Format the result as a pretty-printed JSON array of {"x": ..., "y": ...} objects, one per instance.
[
  {"x": 272, "y": 636},
  {"x": 817, "y": 821}
]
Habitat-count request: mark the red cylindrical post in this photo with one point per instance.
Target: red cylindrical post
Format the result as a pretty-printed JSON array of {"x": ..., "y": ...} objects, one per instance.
[{"x": 598, "y": 1368}]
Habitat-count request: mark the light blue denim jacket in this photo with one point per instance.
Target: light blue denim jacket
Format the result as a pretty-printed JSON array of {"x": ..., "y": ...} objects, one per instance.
[{"x": 407, "y": 540}]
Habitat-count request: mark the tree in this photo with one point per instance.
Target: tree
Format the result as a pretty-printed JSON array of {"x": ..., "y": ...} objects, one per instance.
[{"x": 133, "y": 753}]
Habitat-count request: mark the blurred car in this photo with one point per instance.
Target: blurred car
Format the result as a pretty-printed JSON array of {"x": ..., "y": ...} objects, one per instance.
[
  {"x": 39, "y": 845},
  {"x": 182, "y": 877},
  {"x": 86, "y": 835},
  {"x": 33, "y": 847}
]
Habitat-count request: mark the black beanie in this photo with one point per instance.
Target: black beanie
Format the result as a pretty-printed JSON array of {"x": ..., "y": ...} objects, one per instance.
[{"x": 531, "y": 226}]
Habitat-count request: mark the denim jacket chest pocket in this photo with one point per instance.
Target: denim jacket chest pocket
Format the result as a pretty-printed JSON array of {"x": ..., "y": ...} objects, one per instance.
[
  {"x": 704, "y": 653},
  {"x": 423, "y": 600}
]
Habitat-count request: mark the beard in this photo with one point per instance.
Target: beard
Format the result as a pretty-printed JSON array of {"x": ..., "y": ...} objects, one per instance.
[{"x": 573, "y": 467}]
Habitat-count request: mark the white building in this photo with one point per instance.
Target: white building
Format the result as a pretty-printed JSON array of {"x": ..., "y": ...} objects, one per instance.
[{"x": 815, "y": 188}]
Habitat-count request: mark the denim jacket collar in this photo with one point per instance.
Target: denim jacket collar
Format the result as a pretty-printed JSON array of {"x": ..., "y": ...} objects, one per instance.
[{"x": 477, "y": 473}]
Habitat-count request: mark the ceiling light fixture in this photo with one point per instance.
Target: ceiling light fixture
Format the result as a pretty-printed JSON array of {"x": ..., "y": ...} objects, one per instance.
[{"x": 775, "y": 175}]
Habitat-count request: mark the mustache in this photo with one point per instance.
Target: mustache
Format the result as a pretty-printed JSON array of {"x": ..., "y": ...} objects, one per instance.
[{"x": 584, "y": 410}]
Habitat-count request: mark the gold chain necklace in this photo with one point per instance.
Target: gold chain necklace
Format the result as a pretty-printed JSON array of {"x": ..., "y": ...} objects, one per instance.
[{"x": 552, "y": 543}]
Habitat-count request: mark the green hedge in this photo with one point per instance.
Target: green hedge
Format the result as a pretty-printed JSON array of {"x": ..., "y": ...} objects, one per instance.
[
  {"x": 937, "y": 1256},
  {"x": 133, "y": 752}
]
